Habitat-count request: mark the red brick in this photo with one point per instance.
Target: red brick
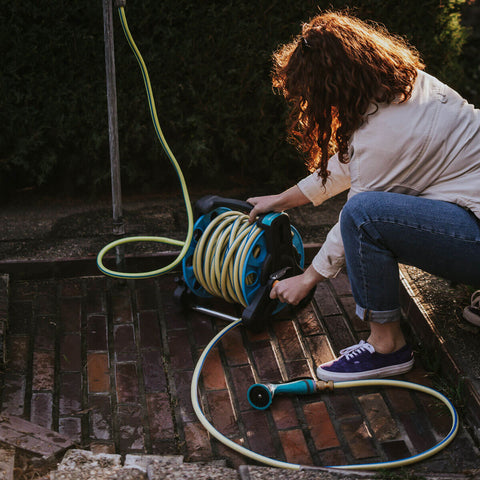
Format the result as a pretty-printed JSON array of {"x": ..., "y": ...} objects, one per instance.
[
  {"x": 160, "y": 417},
  {"x": 45, "y": 328},
  {"x": 70, "y": 352},
  {"x": 182, "y": 381},
  {"x": 325, "y": 300},
  {"x": 283, "y": 412},
  {"x": 22, "y": 312},
  {"x": 340, "y": 335},
  {"x": 145, "y": 291},
  {"x": 212, "y": 372},
  {"x": 98, "y": 373},
  {"x": 97, "y": 332},
  {"x": 41, "y": 409},
  {"x": 296, "y": 369},
  {"x": 126, "y": 383},
  {"x": 124, "y": 343},
  {"x": 71, "y": 287},
  {"x": 235, "y": 351},
  {"x": 341, "y": 284},
  {"x": 70, "y": 314},
  {"x": 70, "y": 393},
  {"x": 45, "y": 304},
  {"x": 343, "y": 405},
  {"x": 220, "y": 408},
  {"x": 418, "y": 430},
  {"x": 358, "y": 438},
  {"x": 202, "y": 329},
  {"x": 401, "y": 400},
  {"x": 332, "y": 458},
  {"x": 131, "y": 433},
  {"x": 259, "y": 436},
  {"x": 288, "y": 341},
  {"x": 70, "y": 427},
  {"x": 295, "y": 447},
  {"x": 320, "y": 348},
  {"x": 14, "y": 394},
  {"x": 122, "y": 306},
  {"x": 266, "y": 362},
  {"x": 17, "y": 352},
  {"x": 242, "y": 378},
  {"x": 43, "y": 370},
  {"x": 309, "y": 323},
  {"x": 320, "y": 425},
  {"x": 149, "y": 328},
  {"x": 180, "y": 353},
  {"x": 381, "y": 421},
  {"x": 197, "y": 442},
  {"x": 396, "y": 450},
  {"x": 153, "y": 371},
  {"x": 95, "y": 300},
  {"x": 100, "y": 417}
]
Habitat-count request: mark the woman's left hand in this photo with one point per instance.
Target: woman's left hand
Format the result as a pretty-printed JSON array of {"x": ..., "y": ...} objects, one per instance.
[{"x": 294, "y": 289}]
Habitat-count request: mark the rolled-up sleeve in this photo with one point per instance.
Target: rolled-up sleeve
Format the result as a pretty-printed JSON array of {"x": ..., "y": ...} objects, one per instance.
[{"x": 331, "y": 257}]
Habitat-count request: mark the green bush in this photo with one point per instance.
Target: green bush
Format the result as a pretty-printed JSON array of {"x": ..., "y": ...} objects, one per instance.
[{"x": 209, "y": 65}]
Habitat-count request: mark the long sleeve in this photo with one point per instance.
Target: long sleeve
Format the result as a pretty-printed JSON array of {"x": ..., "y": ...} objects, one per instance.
[{"x": 331, "y": 257}]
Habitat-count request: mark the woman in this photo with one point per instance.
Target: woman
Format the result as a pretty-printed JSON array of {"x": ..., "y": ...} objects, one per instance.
[{"x": 369, "y": 119}]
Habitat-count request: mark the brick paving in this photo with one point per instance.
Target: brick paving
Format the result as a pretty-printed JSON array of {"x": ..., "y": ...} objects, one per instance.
[{"x": 109, "y": 362}]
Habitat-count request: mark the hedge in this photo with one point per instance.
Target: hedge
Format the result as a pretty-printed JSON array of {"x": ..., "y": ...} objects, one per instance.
[{"x": 209, "y": 64}]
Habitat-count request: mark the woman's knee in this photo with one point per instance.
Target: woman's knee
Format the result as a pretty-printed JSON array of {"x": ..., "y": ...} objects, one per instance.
[{"x": 360, "y": 208}]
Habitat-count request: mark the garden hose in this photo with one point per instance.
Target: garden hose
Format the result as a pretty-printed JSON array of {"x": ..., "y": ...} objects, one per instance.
[
  {"x": 338, "y": 385},
  {"x": 222, "y": 278},
  {"x": 184, "y": 244}
]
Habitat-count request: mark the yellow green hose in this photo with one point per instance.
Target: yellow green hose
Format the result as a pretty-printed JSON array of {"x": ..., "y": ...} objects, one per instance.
[{"x": 184, "y": 244}]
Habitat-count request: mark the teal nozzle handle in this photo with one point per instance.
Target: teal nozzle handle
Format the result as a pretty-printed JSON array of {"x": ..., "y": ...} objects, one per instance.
[{"x": 260, "y": 396}]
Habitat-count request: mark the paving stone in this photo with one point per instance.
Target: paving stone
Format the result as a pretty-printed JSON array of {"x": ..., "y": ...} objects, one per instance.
[
  {"x": 153, "y": 368},
  {"x": 70, "y": 311},
  {"x": 71, "y": 352},
  {"x": 358, "y": 438},
  {"x": 197, "y": 441},
  {"x": 98, "y": 373},
  {"x": 258, "y": 433},
  {"x": 325, "y": 300},
  {"x": 232, "y": 345},
  {"x": 126, "y": 380},
  {"x": 71, "y": 427},
  {"x": 220, "y": 408},
  {"x": 70, "y": 391},
  {"x": 309, "y": 323},
  {"x": 295, "y": 447},
  {"x": 284, "y": 413},
  {"x": 242, "y": 378},
  {"x": 149, "y": 330},
  {"x": 97, "y": 332},
  {"x": 381, "y": 422},
  {"x": 124, "y": 343},
  {"x": 265, "y": 362},
  {"x": 213, "y": 376},
  {"x": 160, "y": 416},
  {"x": 7, "y": 463},
  {"x": 161, "y": 470},
  {"x": 320, "y": 425},
  {"x": 41, "y": 409},
  {"x": 130, "y": 428},
  {"x": 100, "y": 417},
  {"x": 17, "y": 352}
]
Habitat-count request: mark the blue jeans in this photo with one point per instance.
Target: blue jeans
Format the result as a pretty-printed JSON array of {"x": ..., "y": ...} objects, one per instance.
[{"x": 382, "y": 229}]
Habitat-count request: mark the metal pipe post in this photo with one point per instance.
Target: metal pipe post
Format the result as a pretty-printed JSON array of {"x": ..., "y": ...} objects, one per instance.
[{"x": 118, "y": 223}]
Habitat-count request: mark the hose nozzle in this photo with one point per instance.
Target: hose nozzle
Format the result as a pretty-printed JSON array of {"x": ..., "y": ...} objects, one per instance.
[{"x": 260, "y": 396}]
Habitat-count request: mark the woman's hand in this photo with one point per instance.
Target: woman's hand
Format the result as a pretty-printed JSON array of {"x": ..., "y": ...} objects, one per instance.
[
  {"x": 293, "y": 197},
  {"x": 268, "y": 203},
  {"x": 294, "y": 289}
]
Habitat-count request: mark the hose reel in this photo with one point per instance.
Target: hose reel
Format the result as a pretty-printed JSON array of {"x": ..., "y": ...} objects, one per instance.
[{"x": 230, "y": 258}]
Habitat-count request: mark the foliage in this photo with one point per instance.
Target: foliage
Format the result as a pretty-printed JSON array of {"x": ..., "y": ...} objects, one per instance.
[{"x": 209, "y": 65}]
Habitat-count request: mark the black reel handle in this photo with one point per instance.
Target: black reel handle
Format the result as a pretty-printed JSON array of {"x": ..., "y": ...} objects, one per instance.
[{"x": 210, "y": 202}]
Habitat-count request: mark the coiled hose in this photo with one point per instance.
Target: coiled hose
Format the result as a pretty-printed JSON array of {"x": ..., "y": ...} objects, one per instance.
[{"x": 224, "y": 252}]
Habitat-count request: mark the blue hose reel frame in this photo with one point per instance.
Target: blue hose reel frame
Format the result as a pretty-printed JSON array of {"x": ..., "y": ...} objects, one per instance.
[{"x": 254, "y": 263}]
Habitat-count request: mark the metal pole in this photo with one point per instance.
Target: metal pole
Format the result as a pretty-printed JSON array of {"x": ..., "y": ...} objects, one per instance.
[{"x": 118, "y": 224}]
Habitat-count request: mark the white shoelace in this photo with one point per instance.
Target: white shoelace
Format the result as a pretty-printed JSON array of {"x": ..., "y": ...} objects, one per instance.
[{"x": 355, "y": 350}]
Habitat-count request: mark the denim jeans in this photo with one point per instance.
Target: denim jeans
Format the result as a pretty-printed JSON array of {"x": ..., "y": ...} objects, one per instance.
[{"x": 382, "y": 229}]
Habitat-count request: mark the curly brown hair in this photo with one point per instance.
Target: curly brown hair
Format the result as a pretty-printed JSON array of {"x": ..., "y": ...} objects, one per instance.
[{"x": 331, "y": 73}]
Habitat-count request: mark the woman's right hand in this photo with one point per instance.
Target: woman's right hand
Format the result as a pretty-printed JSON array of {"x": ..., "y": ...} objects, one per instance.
[{"x": 265, "y": 204}]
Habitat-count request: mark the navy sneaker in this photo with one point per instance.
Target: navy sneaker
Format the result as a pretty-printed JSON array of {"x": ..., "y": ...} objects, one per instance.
[{"x": 362, "y": 361}]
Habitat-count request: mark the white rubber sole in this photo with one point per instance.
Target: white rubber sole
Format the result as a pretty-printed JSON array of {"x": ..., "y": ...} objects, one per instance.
[{"x": 377, "y": 373}]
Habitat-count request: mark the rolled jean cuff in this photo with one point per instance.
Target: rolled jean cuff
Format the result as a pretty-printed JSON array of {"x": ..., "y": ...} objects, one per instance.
[{"x": 378, "y": 316}]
